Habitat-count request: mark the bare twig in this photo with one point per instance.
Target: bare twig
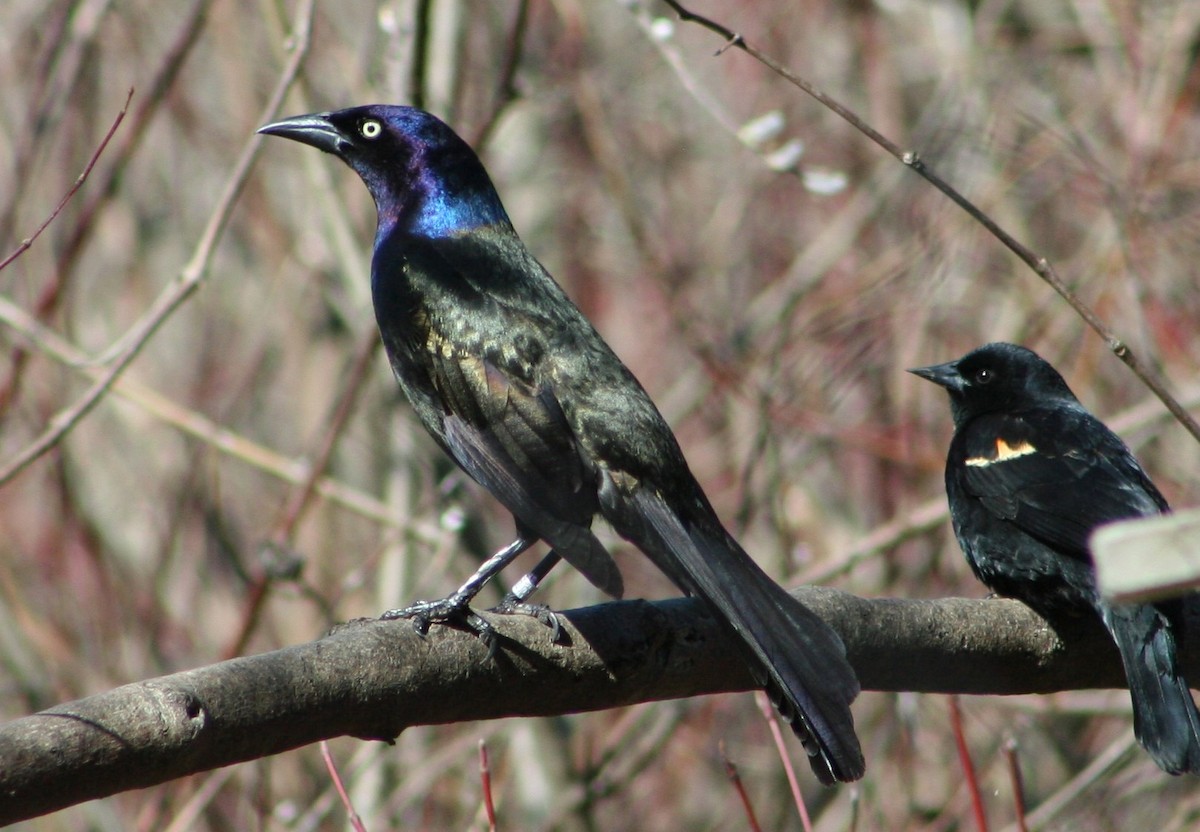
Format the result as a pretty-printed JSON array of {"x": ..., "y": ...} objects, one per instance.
[
  {"x": 185, "y": 818},
  {"x": 53, "y": 290},
  {"x": 731, "y": 774},
  {"x": 970, "y": 779},
  {"x": 331, "y": 767},
  {"x": 1040, "y": 265},
  {"x": 1051, "y": 807},
  {"x": 192, "y": 423},
  {"x": 180, "y": 289},
  {"x": 485, "y": 778},
  {"x": 155, "y": 97},
  {"x": 283, "y": 536},
  {"x": 772, "y": 718},
  {"x": 55, "y": 80},
  {"x": 418, "y": 72},
  {"x": 506, "y": 89},
  {"x": 1018, "y": 782},
  {"x": 79, "y": 180}
]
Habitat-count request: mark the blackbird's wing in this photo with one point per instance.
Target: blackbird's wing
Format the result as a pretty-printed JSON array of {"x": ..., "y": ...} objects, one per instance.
[{"x": 1055, "y": 473}]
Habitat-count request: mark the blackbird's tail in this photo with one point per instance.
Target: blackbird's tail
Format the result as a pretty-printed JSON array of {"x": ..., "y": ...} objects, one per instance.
[{"x": 1165, "y": 720}]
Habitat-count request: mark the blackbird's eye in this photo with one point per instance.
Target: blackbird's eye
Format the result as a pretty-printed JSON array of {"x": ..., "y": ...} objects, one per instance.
[
  {"x": 370, "y": 129},
  {"x": 984, "y": 376}
]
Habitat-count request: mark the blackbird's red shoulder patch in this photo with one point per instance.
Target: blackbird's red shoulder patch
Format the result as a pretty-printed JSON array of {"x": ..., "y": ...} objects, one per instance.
[{"x": 1002, "y": 451}]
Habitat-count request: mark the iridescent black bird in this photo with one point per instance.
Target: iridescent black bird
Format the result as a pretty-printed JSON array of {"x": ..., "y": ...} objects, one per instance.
[
  {"x": 519, "y": 389},
  {"x": 1029, "y": 476}
]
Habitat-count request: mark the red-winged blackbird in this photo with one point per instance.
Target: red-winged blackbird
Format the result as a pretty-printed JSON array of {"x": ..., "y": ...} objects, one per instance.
[{"x": 1029, "y": 475}]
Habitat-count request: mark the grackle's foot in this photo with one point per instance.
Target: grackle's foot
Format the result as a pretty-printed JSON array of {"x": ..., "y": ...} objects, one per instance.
[
  {"x": 513, "y": 605},
  {"x": 452, "y": 611}
]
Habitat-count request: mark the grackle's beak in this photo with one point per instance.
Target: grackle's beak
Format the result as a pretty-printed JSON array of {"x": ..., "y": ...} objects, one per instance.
[
  {"x": 315, "y": 130},
  {"x": 944, "y": 375}
]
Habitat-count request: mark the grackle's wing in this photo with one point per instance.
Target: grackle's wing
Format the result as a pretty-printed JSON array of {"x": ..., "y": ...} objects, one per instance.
[
  {"x": 469, "y": 361},
  {"x": 513, "y": 440}
]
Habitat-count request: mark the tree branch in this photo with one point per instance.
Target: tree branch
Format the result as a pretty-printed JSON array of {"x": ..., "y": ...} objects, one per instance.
[{"x": 371, "y": 679}]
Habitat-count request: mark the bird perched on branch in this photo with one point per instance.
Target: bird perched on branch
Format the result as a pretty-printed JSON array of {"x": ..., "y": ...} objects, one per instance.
[
  {"x": 518, "y": 388},
  {"x": 1029, "y": 476}
]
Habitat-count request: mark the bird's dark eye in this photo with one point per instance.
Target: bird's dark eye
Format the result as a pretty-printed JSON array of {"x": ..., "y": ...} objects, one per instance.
[
  {"x": 370, "y": 129},
  {"x": 984, "y": 376}
]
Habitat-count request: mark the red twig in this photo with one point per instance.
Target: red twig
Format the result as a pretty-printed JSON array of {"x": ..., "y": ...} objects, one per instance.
[
  {"x": 964, "y": 757},
  {"x": 55, "y": 287},
  {"x": 772, "y": 718},
  {"x": 1018, "y": 782},
  {"x": 732, "y": 773},
  {"x": 485, "y": 776},
  {"x": 9, "y": 390},
  {"x": 79, "y": 180},
  {"x": 331, "y": 767}
]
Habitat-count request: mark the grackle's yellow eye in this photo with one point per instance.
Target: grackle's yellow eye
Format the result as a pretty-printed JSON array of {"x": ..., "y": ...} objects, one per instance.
[{"x": 370, "y": 129}]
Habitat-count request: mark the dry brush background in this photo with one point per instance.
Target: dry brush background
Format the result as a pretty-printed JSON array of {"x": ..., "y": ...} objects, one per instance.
[{"x": 770, "y": 314}]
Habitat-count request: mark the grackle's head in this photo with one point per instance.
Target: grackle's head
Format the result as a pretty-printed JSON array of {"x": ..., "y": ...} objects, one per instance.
[
  {"x": 424, "y": 178},
  {"x": 996, "y": 377}
]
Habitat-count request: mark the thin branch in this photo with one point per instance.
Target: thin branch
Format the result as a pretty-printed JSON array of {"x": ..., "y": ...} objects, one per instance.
[
  {"x": 772, "y": 717},
  {"x": 153, "y": 100},
  {"x": 1013, "y": 761},
  {"x": 485, "y": 779},
  {"x": 1057, "y": 803},
  {"x": 28, "y": 242},
  {"x": 54, "y": 289},
  {"x": 418, "y": 72},
  {"x": 198, "y": 426},
  {"x": 330, "y": 766},
  {"x": 970, "y": 778},
  {"x": 731, "y": 774},
  {"x": 506, "y": 88},
  {"x": 179, "y": 290},
  {"x": 302, "y": 498},
  {"x": 1040, "y": 265},
  {"x": 55, "y": 86}
]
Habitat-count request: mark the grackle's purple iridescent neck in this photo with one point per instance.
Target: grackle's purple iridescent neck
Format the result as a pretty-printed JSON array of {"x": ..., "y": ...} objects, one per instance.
[{"x": 432, "y": 184}]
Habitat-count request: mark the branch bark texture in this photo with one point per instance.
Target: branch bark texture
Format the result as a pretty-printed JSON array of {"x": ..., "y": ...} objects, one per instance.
[{"x": 372, "y": 679}]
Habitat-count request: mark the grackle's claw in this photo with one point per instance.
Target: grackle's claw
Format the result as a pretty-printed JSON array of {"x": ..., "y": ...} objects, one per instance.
[
  {"x": 453, "y": 611},
  {"x": 511, "y": 605}
]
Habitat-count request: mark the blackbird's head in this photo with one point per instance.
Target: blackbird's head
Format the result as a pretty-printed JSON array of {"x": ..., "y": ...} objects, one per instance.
[{"x": 995, "y": 377}]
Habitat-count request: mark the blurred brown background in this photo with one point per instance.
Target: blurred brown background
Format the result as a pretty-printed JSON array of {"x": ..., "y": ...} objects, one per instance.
[{"x": 769, "y": 310}]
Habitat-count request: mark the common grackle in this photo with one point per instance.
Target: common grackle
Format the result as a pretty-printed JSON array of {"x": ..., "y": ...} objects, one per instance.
[
  {"x": 518, "y": 388},
  {"x": 1029, "y": 475}
]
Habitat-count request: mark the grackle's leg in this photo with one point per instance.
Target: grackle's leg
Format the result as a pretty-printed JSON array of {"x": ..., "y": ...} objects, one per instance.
[
  {"x": 525, "y": 587},
  {"x": 515, "y": 600},
  {"x": 457, "y": 606}
]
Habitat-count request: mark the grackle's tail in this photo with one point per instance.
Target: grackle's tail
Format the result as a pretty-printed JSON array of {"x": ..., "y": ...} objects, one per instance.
[
  {"x": 797, "y": 658},
  {"x": 1164, "y": 715}
]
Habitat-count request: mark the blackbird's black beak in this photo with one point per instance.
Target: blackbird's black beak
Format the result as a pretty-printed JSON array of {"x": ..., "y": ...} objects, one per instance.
[{"x": 943, "y": 375}]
